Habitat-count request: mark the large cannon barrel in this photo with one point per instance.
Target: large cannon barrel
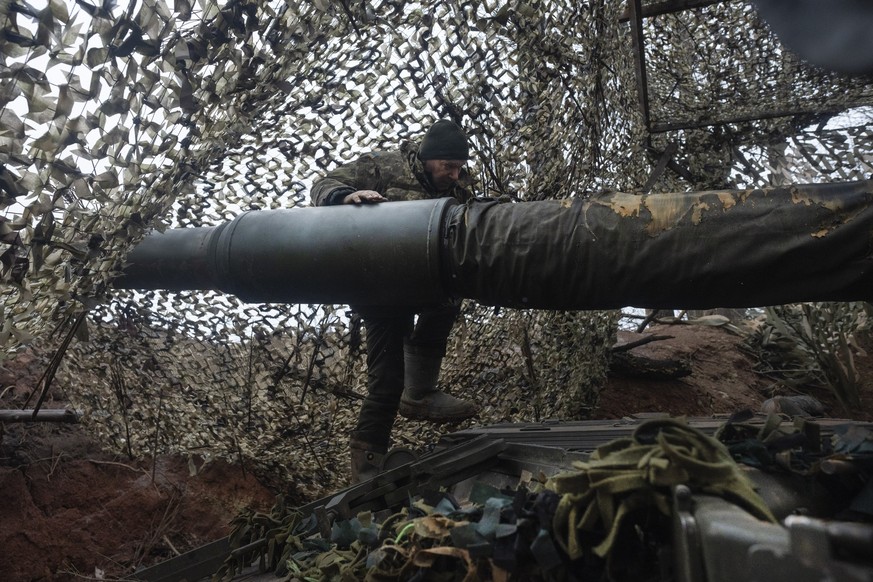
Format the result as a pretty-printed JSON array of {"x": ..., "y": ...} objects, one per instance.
[{"x": 729, "y": 248}]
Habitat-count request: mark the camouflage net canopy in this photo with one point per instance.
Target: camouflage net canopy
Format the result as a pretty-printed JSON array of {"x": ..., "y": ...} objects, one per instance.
[{"x": 119, "y": 119}]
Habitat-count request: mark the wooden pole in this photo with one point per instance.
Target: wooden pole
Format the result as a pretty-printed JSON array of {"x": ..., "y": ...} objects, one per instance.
[{"x": 56, "y": 415}]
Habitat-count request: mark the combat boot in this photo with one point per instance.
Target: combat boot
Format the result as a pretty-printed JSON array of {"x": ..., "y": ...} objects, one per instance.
[
  {"x": 366, "y": 461},
  {"x": 421, "y": 400}
]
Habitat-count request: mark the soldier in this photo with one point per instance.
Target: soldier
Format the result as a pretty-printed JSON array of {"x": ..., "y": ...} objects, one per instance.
[{"x": 403, "y": 355}]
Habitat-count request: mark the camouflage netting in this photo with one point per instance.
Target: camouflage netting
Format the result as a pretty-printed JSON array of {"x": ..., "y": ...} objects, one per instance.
[{"x": 118, "y": 119}]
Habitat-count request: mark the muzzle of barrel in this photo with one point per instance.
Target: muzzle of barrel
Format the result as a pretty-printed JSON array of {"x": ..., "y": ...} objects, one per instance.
[{"x": 357, "y": 254}]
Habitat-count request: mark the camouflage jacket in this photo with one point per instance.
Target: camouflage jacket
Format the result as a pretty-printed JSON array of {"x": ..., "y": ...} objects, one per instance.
[{"x": 396, "y": 175}]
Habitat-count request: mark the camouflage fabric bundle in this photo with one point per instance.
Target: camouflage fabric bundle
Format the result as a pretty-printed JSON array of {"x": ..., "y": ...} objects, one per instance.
[
  {"x": 608, "y": 517},
  {"x": 500, "y": 535},
  {"x": 629, "y": 481}
]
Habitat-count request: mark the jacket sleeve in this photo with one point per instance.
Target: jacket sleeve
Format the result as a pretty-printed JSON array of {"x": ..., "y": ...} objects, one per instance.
[{"x": 362, "y": 174}]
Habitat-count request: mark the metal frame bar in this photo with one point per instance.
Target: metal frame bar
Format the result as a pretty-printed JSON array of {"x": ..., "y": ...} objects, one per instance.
[
  {"x": 665, "y": 127},
  {"x": 668, "y": 7},
  {"x": 634, "y": 7}
]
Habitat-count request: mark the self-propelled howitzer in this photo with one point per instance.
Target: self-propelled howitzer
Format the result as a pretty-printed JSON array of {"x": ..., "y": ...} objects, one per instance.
[{"x": 726, "y": 248}]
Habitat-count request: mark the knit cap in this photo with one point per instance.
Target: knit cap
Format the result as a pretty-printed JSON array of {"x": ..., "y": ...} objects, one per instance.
[{"x": 444, "y": 141}]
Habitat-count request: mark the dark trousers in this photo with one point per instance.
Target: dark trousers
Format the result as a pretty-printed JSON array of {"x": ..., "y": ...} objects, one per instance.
[{"x": 388, "y": 329}]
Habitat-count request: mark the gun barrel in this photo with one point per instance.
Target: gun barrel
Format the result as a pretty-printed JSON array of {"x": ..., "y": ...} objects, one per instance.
[
  {"x": 730, "y": 248},
  {"x": 177, "y": 260},
  {"x": 340, "y": 254}
]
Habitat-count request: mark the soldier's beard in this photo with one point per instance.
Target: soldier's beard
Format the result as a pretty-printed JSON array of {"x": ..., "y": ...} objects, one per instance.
[{"x": 443, "y": 185}]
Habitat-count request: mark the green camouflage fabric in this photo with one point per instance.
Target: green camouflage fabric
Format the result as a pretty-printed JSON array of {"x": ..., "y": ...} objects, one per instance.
[
  {"x": 607, "y": 518},
  {"x": 396, "y": 175},
  {"x": 601, "y": 497}
]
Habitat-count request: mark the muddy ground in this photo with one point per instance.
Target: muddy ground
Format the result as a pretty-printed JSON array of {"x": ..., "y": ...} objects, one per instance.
[{"x": 69, "y": 511}]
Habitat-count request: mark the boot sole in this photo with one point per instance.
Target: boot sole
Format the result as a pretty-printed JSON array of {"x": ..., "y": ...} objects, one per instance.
[{"x": 416, "y": 414}]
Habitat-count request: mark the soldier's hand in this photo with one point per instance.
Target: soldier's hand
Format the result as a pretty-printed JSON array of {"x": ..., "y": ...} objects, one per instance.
[{"x": 364, "y": 197}]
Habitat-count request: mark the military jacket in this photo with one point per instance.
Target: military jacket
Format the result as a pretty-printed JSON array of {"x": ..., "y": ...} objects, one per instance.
[{"x": 396, "y": 175}]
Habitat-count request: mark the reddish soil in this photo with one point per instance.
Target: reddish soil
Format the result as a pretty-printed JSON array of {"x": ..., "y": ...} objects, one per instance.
[
  {"x": 75, "y": 514},
  {"x": 71, "y": 512}
]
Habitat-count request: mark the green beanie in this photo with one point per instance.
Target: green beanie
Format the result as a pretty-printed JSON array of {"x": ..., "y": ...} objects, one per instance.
[{"x": 444, "y": 141}]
